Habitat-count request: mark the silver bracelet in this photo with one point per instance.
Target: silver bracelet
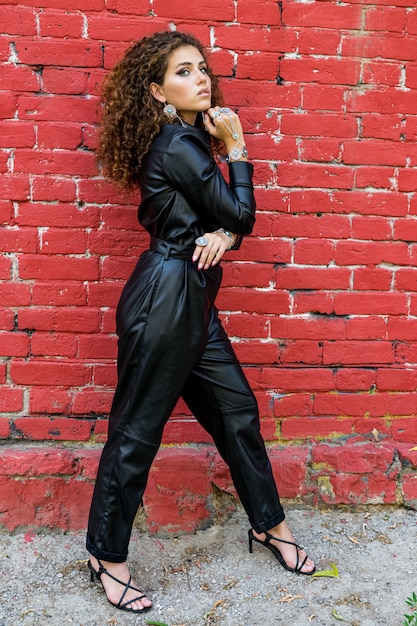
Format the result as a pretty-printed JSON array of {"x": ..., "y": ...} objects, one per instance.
[{"x": 228, "y": 234}]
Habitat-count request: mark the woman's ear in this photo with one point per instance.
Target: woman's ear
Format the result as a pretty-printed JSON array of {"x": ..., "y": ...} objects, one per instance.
[{"x": 157, "y": 92}]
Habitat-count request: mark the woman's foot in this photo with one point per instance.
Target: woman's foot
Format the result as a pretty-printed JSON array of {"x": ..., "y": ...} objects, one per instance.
[
  {"x": 289, "y": 553},
  {"x": 115, "y": 590}
]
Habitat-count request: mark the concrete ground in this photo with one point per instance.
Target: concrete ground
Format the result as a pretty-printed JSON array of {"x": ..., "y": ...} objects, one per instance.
[{"x": 210, "y": 579}]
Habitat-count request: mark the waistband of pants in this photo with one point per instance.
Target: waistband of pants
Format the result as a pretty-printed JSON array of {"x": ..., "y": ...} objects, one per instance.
[{"x": 171, "y": 250}]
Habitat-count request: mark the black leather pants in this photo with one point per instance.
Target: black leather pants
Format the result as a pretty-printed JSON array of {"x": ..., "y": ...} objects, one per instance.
[{"x": 172, "y": 344}]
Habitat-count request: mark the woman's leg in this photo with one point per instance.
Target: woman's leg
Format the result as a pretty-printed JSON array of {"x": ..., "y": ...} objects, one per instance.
[{"x": 220, "y": 397}]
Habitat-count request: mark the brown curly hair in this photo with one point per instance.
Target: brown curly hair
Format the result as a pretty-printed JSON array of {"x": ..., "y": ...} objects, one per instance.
[{"x": 132, "y": 117}]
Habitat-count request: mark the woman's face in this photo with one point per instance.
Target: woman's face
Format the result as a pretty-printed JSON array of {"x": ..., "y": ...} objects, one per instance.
[{"x": 186, "y": 83}]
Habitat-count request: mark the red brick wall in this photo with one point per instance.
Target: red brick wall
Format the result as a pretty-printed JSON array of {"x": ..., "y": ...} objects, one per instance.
[{"x": 321, "y": 302}]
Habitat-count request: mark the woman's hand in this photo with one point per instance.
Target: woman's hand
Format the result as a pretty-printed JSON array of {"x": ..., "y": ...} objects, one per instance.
[
  {"x": 224, "y": 124},
  {"x": 212, "y": 253}
]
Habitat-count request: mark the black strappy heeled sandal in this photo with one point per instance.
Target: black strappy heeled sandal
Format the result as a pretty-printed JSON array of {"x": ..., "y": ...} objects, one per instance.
[
  {"x": 124, "y": 606},
  {"x": 277, "y": 554}
]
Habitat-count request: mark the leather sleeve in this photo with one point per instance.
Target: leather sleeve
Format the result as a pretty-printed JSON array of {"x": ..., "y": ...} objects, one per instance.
[{"x": 191, "y": 168}]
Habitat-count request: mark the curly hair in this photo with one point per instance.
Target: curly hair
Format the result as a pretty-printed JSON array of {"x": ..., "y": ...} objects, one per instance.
[{"x": 132, "y": 117}]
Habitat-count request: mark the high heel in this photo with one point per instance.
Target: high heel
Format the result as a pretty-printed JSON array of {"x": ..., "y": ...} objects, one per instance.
[
  {"x": 95, "y": 575},
  {"x": 277, "y": 554}
]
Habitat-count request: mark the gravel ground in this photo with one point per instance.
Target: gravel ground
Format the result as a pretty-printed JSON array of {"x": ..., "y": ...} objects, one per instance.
[{"x": 210, "y": 579}]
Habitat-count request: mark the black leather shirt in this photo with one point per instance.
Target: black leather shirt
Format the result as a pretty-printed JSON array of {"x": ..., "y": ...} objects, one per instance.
[{"x": 184, "y": 194}]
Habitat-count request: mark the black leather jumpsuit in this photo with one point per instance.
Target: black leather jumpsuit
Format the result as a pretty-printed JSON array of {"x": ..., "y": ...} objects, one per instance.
[{"x": 172, "y": 344}]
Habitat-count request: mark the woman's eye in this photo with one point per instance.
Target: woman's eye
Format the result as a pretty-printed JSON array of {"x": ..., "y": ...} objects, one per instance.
[
  {"x": 204, "y": 70},
  {"x": 183, "y": 72}
]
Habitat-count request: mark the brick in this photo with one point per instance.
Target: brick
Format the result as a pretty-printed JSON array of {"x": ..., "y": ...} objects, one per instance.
[
  {"x": 371, "y": 228},
  {"x": 59, "y": 293},
  {"x": 293, "y": 404},
  {"x": 358, "y": 352},
  {"x": 355, "y": 379},
  {"x": 58, "y": 267},
  {"x": 323, "y": 71},
  {"x": 311, "y": 328},
  {"x": 73, "y": 162},
  {"x": 375, "y": 152},
  {"x": 324, "y": 97},
  {"x": 61, "y": 319},
  {"x": 6, "y": 211},
  {"x": 318, "y": 42},
  {"x": 97, "y": 346},
  {"x": 5, "y": 428},
  {"x": 53, "y": 344},
  {"x": 371, "y": 253},
  {"x": 92, "y": 402},
  {"x": 14, "y": 344},
  {"x": 16, "y": 134},
  {"x": 405, "y": 429},
  {"x": 387, "y": 127},
  {"x": 15, "y": 294},
  {"x": 372, "y": 278},
  {"x": 14, "y": 187},
  {"x": 372, "y": 203},
  {"x": 259, "y": 12},
  {"x": 381, "y": 73},
  {"x": 49, "y": 372},
  {"x": 385, "y": 101},
  {"x": 120, "y": 28},
  {"x": 322, "y": 15},
  {"x": 247, "y": 274},
  {"x": 105, "y": 375},
  {"x": 57, "y": 108},
  {"x": 313, "y": 252},
  {"x": 61, "y": 24},
  {"x": 313, "y": 175},
  {"x": 409, "y": 489},
  {"x": 374, "y": 303},
  {"x": 59, "y": 135},
  {"x": 376, "y": 176},
  {"x": 359, "y": 459},
  {"x": 385, "y": 19},
  {"x": 132, "y": 7},
  {"x": 256, "y": 66},
  {"x": 317, "y": 125},
  {"x": 16, "y": 78},
  {"x": 302, "y": 352},
  {"x": 180, "y": 502},
  {"x": 406, "y": 280},
  {"x": 321, "y": 150},
  {"x": 66, "y": 80},
  {"x": 312, "y": 302},
  {"x": 23, "y": 240},
  {"x": 397, "y": 379},
  {"x": 298, "y": 379},
  {"x": 256, "y": 353},
  {"x": 82, "y": 53},
  {"x": 366, "y": 327},
  {"x": 315, "y": 427},
  {"x": 23, "y": 462},
  {"x": 11, "y": 399},
  {"x": 391, "y": 46},
  {"x": 312, "y": 278},
  {"x": 249, "y": 301},
  {"x": 62, "y": 215},
  {"x": 261, "y": 251},
  {"x": 289, "y": 466},
  {"x": 18, "y": 20}
]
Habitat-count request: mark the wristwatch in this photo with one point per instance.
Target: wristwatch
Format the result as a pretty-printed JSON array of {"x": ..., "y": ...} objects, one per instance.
[{"x": 237, "y": 153}]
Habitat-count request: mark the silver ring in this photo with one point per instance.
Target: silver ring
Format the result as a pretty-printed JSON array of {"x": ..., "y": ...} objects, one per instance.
[
  {"x": 216, "y": 114},
  {"x": 226, "y": 111},
  {"x": 201, "y": 241}
]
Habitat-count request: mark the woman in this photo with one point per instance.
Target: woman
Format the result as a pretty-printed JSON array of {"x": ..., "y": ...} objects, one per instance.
[{"x": 163, "y": 119}]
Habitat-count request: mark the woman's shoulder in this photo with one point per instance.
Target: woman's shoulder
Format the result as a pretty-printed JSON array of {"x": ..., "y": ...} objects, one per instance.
[{"x": 174, "y": 136}]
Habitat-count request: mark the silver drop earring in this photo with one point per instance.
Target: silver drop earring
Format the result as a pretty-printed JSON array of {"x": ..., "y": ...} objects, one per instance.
[{"x": 171, "y": 111}]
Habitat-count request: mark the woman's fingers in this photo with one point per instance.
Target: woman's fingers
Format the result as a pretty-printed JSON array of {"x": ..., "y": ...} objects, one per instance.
[{"x": 212, "y": 253}]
